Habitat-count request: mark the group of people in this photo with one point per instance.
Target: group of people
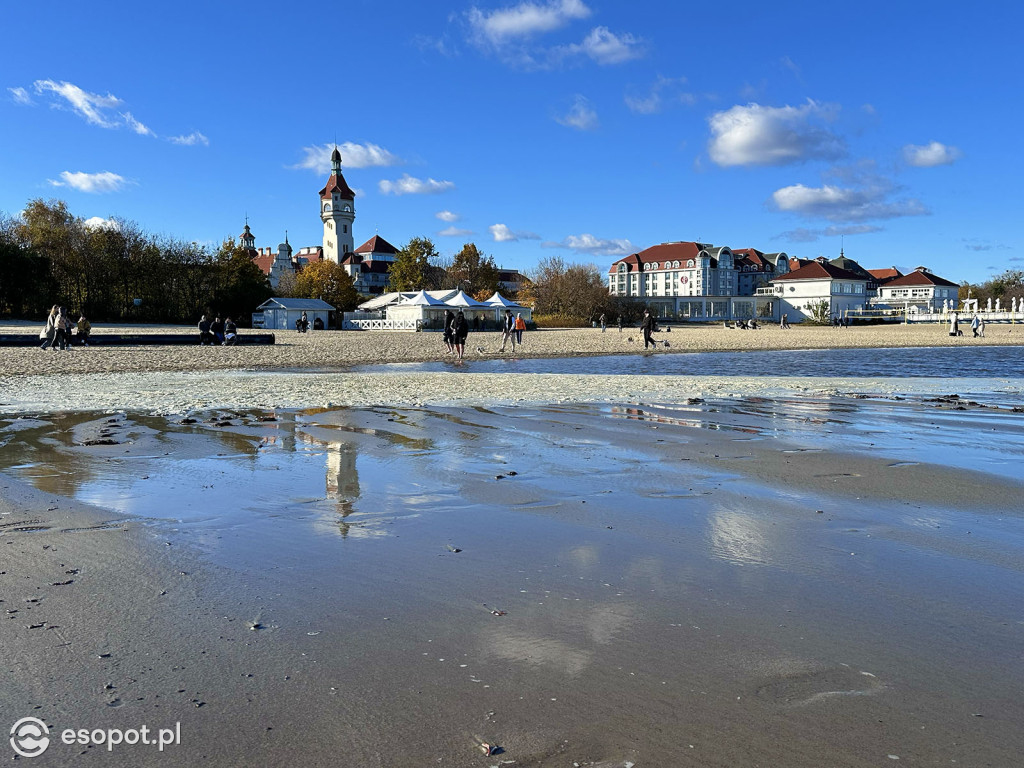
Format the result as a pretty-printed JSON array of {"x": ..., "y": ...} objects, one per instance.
[
  {"x": 57, "y": 333},
  {"x": 217, "y": 331},
  {"x": 977, "y": 326},
  {"x": 456, "y": 331},
  {"x": 512, "y": 330}
]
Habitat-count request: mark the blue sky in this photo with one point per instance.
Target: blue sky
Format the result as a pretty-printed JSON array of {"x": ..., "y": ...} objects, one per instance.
[{"x": 582, "y": 128}]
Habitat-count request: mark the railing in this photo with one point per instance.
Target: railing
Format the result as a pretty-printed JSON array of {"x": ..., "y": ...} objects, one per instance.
[{"x": 382, "y": 325}]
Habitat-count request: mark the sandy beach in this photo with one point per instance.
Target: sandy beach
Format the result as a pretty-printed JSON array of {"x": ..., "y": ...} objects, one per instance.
[{"x": 284, "y": 562}]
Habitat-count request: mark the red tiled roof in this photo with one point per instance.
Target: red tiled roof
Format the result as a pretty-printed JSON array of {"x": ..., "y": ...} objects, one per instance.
[
  {"x": 663, "y": 252},
  {"x": 883, "y": 276},
  {"x": 352, "y": 258},
  {"x": 337, "y": 184},
  {"x": 376, "y": 244},
  {"x": 265, "y": 262},
  {"x": 919, "y": 277},
  {"x": 795, "y": 263},
  {"x": 815, "y": 270}
]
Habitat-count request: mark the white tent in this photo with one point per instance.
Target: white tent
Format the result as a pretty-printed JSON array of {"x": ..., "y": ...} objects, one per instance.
[
  {"x": 460, "y": 299},
  {"x": 422, "y": 299},
  {"x": 497, "y": 300}
]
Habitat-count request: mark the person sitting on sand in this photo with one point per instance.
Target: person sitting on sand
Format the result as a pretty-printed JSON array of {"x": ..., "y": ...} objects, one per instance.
[
  {"x": 230, "y": 333},
  {"x": 460, "y": 332},
  {"x": 84, "y": 329},
  {"x": 217, "y": 329},
  {"x": 205, "y": 337}
]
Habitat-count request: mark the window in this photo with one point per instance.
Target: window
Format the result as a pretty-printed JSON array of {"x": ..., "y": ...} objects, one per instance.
[{"x": 344, "y": 228}]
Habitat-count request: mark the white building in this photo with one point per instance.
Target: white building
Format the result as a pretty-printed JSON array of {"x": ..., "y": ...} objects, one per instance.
[
  {"x": 799, "y": 292},
  {"x": 919, "y": 291},
  {"x": 337, "y": 211},
  {"x": 369, "y": 265}
]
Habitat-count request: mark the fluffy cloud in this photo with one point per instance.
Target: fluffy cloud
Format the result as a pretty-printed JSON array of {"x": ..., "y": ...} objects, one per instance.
[
  {"x": 502, "y": 234},
  {"x": 580, "y": 116},
  {"x": 524, "y": 20},
  {"x": 594, "y": 246},
  {"x": 836, "y": 203},
  {"x": 930, "y": 155},
  {"x": 409, "y": 185},
  {"x": 97, "y": 222},
  {"x": 92, "y": 107},
  {"x": 352, "y": 155},
  {"x": 447, "y": 216},
  {"x": 191, "y": 140},
  {"x": 91, "y": 182},
  {"x": 605, "y": 47},
  {"x": 757, "y": 135},
  {"x": 455, "y": 232},
  {"x": 20, "y": 95}
]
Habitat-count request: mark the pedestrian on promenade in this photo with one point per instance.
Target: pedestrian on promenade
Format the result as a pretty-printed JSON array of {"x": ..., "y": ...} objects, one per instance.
[
  {"x": 460, "y": 331},
  {"x": 49, "y": 332},
  {"x": 508, "y": 327},
  {"x": 520, "y": 327},
  {"x": 84, "y": 329}
]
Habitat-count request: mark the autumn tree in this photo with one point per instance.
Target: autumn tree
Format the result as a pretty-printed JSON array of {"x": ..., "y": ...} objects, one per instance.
[
  {"x": 327, "y": 281},
  {"x": 412, "y": 265},
  {"x": 474, "y": 272},
  {"x": 573, "y": 291},
  {"x": 241, "y": 284}
]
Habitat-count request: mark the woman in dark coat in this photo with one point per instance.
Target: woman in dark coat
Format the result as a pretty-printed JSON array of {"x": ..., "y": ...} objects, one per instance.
[
  {"x": 449, "y": 320},
  {"x": 460, "y": 330}
]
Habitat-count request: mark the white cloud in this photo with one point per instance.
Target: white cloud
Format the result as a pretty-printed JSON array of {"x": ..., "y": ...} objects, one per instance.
[
  {"x": 91, "y": 182},
  {"x": 757, "y": 135},
  {"x": 352, "y": 155},
  {"x": 930, "y": 155},
  {"x": 580, "y": 116},
  {"x": 502, "y": 234},
  {"x": 836, "y": 203},
  {"x": 447, "y": 216},
  {"x": 409, "y": 185},
  {"x": 595, "y": 246},
  {"x": 455, "y": 232},
  {"x": 90, "y": 106},
  {"x": 135, "y": 125},
  {"x": 20, "y": 95},
  {"x": 191, "y": 140},
  {"x": 654, "y": 100},
  {"x": 605, "y": 47},
  {"x": 526, "y": 19},
  {"x": 97, "y": 222}
]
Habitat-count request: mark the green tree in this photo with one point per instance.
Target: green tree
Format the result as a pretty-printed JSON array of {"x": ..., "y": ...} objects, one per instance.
[
  {"x": 412, "y": 265},
  {"x": 329, "y": 282},
  {"x": 242, "y": 286},
  {"x": 474, "y": 272},
  {"x": 25, "y": 287}
]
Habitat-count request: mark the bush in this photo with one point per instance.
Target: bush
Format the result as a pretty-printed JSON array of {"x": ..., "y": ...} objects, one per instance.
[{"x": 560, "y": 321}]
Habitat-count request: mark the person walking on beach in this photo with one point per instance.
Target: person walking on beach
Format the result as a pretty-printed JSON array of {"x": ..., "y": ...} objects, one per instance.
[
  {"x": 63, "y": 325},
  {"x": 460, "y": 331},
  {"x": 449, "y": 320},
  {"x": 604, "y": 324},
  {"x": 508, "y": 327},
  {"x": 974, "y": 325},
  {"x": 785, "y": 322},
  {"x": 49, "y": 332},
  {"x": 647, "y": 326},
  {"x": 954, "y": 325},
  {"x": 84, "y": 329},
  {"x": 981, "y": 326},
  {"x": 620, "y": 322},
  {"x": 521, "y": 326}
]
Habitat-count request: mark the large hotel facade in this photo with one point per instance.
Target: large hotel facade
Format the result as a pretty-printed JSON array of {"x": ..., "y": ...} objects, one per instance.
[{"x": 700, "y": 281}]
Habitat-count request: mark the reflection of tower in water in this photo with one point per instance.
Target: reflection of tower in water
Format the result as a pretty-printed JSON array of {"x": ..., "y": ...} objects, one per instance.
[{"x": 342, "y": 480}]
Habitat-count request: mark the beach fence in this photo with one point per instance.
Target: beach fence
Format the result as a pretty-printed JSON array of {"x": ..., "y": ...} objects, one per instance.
[{"x": 373, "y": 321}]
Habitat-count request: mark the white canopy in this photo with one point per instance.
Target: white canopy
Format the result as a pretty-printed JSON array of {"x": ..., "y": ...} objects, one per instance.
[
  {"x": 423, "y": 299},
  {"x": 460, "y": 299},
  {"x": 497, "y": 300}
]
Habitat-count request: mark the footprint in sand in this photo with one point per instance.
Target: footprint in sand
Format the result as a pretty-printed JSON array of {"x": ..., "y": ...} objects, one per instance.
[{"x": 810, "y": 687}]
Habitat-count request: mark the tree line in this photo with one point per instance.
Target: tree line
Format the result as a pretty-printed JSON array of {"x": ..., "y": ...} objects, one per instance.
[
  {"x": 1006, "y": 286},
  {"x": 116, "y": 272}
]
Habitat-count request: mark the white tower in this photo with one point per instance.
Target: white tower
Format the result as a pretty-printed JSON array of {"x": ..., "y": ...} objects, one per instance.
[{"x": 337, "y": 211}]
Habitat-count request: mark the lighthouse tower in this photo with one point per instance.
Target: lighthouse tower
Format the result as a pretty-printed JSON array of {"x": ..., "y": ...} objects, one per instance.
[{"x": 337, "y": 211}]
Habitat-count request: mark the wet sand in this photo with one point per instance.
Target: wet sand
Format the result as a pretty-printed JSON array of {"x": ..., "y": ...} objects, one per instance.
[{"x": 687, "y": 585}]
